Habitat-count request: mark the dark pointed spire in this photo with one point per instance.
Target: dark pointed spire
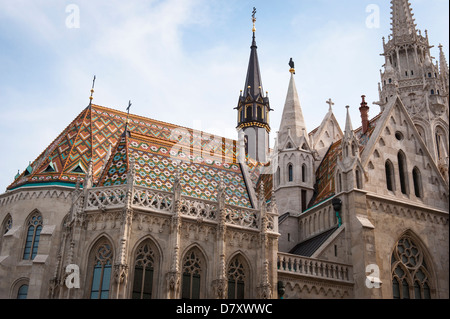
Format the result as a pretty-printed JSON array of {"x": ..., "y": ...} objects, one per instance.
[{"x": 253, "y": 83}]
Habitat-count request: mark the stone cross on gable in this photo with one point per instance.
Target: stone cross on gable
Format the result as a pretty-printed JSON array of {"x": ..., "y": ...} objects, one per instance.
[{"x": 330, "y": 103}]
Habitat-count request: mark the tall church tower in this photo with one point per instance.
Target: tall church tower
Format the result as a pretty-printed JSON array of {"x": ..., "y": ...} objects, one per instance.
[
  {"x": 294, "y": 177},
  {"x": 253, "y": 109},
  {"x": 422, "y": 85}
]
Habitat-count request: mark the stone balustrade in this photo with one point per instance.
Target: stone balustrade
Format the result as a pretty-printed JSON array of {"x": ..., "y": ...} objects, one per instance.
[
  {"x": 113, "y": 197},
  {"x": 304, "y": 266}
]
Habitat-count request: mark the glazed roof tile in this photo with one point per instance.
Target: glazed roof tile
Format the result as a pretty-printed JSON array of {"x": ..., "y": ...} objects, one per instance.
[{"x": 158, "y": 148}]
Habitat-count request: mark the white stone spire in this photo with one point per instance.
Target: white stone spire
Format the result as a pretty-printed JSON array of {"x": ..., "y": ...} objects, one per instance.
[
  {"x": 348, "y": 133},
  {"x": 292, "y": 121}
]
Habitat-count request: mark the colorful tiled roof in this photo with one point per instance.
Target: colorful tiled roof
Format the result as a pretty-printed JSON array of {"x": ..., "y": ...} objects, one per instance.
[
  {"x": 204, "y": 159},
  {"x": 156, "y": 163}
]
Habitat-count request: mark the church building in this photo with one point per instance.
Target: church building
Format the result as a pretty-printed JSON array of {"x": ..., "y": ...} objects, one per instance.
[{"x": 122, "y": 206}]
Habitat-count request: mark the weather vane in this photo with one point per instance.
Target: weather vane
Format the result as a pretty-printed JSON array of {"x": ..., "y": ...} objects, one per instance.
[
  {"x": 254, "y": 18},
  {"x": 92, "y": 91}
]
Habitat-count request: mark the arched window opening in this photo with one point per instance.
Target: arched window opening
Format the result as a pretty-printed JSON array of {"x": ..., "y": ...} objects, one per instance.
[
  {"x": 33, "y": 235},
  {"x": 389, "y": 169},
  {"x": 22, "y": 293},
  {"x": 278, "y": 177},
  {"x": 143, "y": 272},
  {"x": 248, "y": 113},
  {"x": 192, "y": 268},
  {"x": 402, "y": 172},
  {"x": 358, "y": 179},
  {"x": 290, "y": 173},
  {"x": 236, "y": 279},
  {"x": 102, "y": 270},
  {"x": 410, "y": 275},
  {"x": 304, "y": 173},
  {"x": 259, "y": 113},
  {"x": 417, "y": 178},
  {"x": 7, "y": 224}
]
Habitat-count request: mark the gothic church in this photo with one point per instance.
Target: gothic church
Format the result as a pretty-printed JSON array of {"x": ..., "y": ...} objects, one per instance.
[{"x": 121, "y": 206}]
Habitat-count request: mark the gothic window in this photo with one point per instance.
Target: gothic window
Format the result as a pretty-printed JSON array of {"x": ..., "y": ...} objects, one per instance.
[
  {"x": 290, "y": 173},
  {"x": 358, "y": 179},
  {"x": 22, "y": 293},
  {"x": 260, "y": 113},
  {"x": 441, "y": 143},
  {"x": 390, "y": 180},
  {"x": 417, "y": 178},
  {"x": 236, "y": 279},
  {"x": 304, "y": 173},
  {"x": 34, "y": 227},
  {"x": 246, "y": 145},
  {"x": 278, "y": 177},
  {"x": 192, "y": 270},
  {"x": 248, "y": 112},
  {"x": 7, "y": 224},
  {"x": 402, "y": 172},
  {"x": 143, "y": 272},
  {"x": 410, "y": 274},
  {"x": 304, "y": 205},
  {"x": 101, "y": 270},
  {"x": 432, "y": 92}
]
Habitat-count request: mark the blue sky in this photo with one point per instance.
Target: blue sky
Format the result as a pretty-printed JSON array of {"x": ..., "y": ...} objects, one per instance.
[{"x": 185, "y": 61}]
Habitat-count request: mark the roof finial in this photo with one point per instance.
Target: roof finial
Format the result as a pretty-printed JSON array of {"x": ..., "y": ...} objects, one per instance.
[
  {"x": 330, "y": 103},
  {"x": 292, "y": 65},
  {"x": 254, "y": 19},
  {"x": 128, "y": 114},
  {"x": 92, "y": 91}
]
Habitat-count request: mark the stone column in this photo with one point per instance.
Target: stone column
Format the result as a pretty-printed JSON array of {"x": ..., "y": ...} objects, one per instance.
[{"x": 173, "y": 277}]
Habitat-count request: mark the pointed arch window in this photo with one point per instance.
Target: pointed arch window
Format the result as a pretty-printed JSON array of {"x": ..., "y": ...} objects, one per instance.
[
  {"x": 410, "y": 275},
  {"x": 304, "y": 170},
  {"x": 192, "y": 270},
  {"x": 402, "y": 170},
  {"x": 358, "y": 179},
  {"x": 290, "y": 173},
  {"x": 390, "y": 179},
  {"x": 278, "y": 177},
  {"x": 236, "y": 279},
  {"x": 101, "y": 270},
  {"x": 22, "y": 293},
  {"x": 144, "y": 272},
  {"x": 248, "y": 112},
  {"x": 417, "y": 179},
  {"x": 7, "y": 224},
  {"x": 259, "y": 113},
  {"x": 34, "y": 227}
]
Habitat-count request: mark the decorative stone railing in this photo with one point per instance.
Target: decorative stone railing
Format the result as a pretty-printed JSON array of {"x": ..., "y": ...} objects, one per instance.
[
  {"x": 199, "y": 209},
  {"x": 113, "y": 197},
  {"x": 304, "y": 266},
  {"x": 106, "y": 197},
  {"x": 242, "y": 217},
  {"x": 147, "y": 198}
]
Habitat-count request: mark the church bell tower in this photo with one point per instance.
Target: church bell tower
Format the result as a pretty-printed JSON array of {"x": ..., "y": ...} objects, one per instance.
[{"x": 253, "y": 109}]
